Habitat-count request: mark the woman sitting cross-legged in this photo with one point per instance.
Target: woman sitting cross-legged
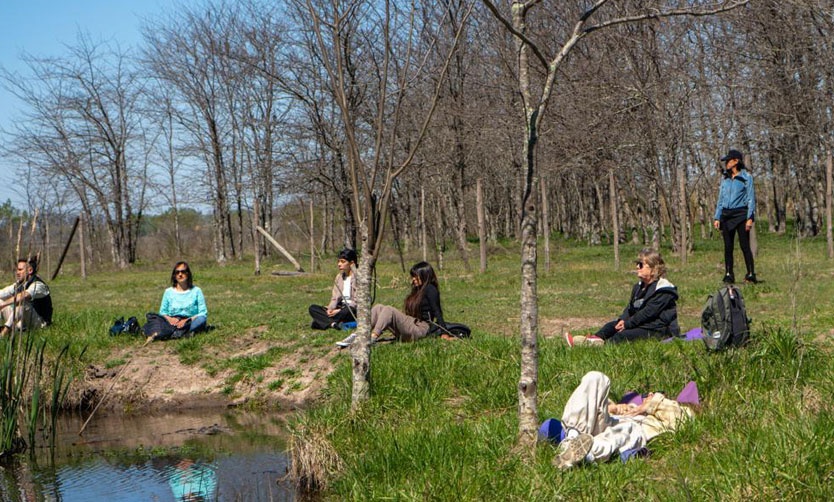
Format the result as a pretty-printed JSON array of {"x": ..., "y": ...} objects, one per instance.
[
  {"x": 183, "y": 309},
  {"x": 423, "y": 314},
  {"x": 651, "y": 311}
]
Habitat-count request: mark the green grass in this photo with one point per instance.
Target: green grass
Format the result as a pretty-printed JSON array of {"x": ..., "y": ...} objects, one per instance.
[{"x": 442, "y": 420}]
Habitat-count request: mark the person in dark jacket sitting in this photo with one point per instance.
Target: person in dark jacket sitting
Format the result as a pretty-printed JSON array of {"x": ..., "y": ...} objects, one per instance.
[
  {"x": 651, "y": 311},
  {"x": 423, "y": 314}
]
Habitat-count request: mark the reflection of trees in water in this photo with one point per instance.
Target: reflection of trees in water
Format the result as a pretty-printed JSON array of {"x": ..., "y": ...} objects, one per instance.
[{"x": 193, "y": 482}]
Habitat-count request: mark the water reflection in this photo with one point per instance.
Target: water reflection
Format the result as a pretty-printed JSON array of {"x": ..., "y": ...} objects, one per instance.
[
  {"x": 172, "y": 457},
  {"x": 192, "y": 482}
]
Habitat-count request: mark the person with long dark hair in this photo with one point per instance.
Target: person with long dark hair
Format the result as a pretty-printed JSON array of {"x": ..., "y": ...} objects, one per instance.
[
  {"x": 342, "y": 306},
  {"x": 183, "y": 303},
  {"x": 423, "y": 314},
  {"x": 735, "y": 213}
]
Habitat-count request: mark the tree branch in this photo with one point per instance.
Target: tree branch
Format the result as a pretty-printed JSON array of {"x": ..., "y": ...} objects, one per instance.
[
  {"x": 508, "y": 25},
  {"x": 658, "y": 15}
]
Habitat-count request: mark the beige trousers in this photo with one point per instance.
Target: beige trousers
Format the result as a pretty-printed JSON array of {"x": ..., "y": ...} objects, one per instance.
[
  {"x": 587, "y": 411},
  {"x": 24, "y": 316},
  {"x": 404, "y": 327}
]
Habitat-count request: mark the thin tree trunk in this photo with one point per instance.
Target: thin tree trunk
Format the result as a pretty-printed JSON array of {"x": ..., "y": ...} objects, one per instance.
[
  {"x": 479, "y": 195},
  {"x": 423, "y": 223},
  {"x": 828, "y": 187},
  {"x": 545, "y": 225},
  {"x": 654, "y": 215},
  {"x": 82, "y": 254},
  {"x": 312, "y": 239},
  {"x": 683, "y": 218},
  {"x": 360, "y": 350},
  {"x": 46, "y": 243},
  {"x": 256, "y": 240},
  {"x": 615, "y": 221}
]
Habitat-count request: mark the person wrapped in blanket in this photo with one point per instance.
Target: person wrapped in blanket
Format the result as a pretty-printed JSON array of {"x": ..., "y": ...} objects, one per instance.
[
  {"x": 597, "y": 428},
  {"x": 423, "y": 314}
]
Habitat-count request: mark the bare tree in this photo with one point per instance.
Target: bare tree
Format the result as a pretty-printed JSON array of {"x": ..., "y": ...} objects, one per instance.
[
  {"x": 189, "y": 53},
  {"x": 532, "y": 64},
  {"x": 374, "y": 58},
  {"x": 83, "y": 126}
]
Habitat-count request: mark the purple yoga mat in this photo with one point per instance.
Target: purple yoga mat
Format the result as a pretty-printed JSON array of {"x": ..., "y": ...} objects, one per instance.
[
  {"x": 689, "y": 395},
  {"x": 690, "y": 336}
]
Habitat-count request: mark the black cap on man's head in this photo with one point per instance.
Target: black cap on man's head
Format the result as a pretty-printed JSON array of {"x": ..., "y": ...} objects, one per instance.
[{"x": 733, "y": 154}]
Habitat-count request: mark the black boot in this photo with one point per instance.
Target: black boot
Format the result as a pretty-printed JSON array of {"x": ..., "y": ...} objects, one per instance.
[
  {"x": 728, "y": 278},
  {"x": 751, "y": 278}
]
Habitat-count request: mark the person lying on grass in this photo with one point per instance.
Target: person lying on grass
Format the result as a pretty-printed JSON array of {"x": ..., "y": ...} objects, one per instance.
[
  {"x": 597, "y": 428},
  {"x": 651, "y": 311},
  {"x": 423, "y": 314}
]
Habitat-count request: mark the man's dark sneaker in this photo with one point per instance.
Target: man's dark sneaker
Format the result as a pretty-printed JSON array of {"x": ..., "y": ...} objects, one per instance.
[
  {"x": 729, "y": 279},
  {"x": 751, "y": 278}
]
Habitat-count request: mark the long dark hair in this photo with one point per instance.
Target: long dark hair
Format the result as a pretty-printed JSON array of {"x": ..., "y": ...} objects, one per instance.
[
  {"x": 188, "y": 278},
  {"x": 425, "y": 273}
]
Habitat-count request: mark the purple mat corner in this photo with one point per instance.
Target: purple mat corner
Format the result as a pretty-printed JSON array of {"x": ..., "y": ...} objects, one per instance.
[
  {"x": 689, "y": 394},
  {"x": 690, "y": 336}
]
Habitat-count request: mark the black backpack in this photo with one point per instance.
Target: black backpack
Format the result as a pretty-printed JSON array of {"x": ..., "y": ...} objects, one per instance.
[
  {"x": 454, "y": 329},
  {"x": 724, "y": 321}
]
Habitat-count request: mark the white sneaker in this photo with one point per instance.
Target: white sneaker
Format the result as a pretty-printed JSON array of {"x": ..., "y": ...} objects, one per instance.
[{"x": 348, "y": 341}]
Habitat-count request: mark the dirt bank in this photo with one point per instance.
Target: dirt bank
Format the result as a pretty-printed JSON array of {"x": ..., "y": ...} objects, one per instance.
[{"x": 153, "y": 378}]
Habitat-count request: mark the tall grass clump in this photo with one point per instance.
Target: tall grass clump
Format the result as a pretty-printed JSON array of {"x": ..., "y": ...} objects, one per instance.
[
  {"x": 314, "y": 461},
  {"x": 25, "y": 394}
]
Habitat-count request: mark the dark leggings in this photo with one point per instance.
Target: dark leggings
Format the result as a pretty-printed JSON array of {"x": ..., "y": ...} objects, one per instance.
[
  {"x": 733, "y": 221},
  {"x": 610, "y": 335},
  {"x": 322, "y": 321}
]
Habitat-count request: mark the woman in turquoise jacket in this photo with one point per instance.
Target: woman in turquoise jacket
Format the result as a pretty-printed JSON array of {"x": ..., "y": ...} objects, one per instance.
[{"x": 183, "y": 301}]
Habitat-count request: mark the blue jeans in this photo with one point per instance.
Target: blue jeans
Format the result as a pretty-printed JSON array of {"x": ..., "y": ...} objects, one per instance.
[{"x": 198, "y": 323}]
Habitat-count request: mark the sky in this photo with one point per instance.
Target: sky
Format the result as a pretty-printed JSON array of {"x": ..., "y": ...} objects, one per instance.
[{"x": 45, "y": 28}]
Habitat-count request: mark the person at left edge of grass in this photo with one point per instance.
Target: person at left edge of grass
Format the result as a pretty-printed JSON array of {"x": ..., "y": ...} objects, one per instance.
[
  {"x": 31, "y": 295},
  {"x": 735, "y": 213}
]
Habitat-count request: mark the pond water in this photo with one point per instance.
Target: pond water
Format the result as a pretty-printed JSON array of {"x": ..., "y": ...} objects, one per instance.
[{"x": 199, "y": 456}]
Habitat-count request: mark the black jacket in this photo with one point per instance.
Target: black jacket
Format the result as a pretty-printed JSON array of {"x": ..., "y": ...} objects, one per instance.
[
  {"x": 654, "y": 308},
  {"x": 430, "y": 310}
]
